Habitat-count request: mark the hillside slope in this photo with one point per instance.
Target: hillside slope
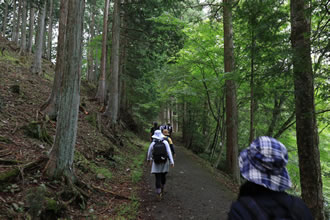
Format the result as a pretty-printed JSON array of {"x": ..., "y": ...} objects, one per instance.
[{"x": 108, "y": 164}]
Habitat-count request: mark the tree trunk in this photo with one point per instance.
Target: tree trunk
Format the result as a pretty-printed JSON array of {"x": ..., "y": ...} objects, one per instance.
[
  {"x": 50, "y": 31},
  {"x": 231, "y": 105},
  {"x": 278, "y": 102},
  {"x": 44, "y": 42},
  {"x": 252, "y": 104},
  {"x": 91, "y": 73},
  {"x": 18, "y": 24},
  {"x": 23, "y": 40},
  {"x": 101, "y": 90},
  {"x": 51, "y": 105},
  {"x": 113, "y": 104},
  {"x": 123, "y": 51},
  {"x": 36, "y": 66},
  {"x": 31, "y": 27},
  {"x": 306, "y": 128},
  {"x": 62, "y": 153},
  {"x": 5, "y": 16},
  {"x": 13, "y": 32}
]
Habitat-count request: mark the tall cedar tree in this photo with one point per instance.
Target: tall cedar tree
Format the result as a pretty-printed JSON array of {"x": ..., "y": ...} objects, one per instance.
[
  {"x": 4, "y": 23},
  {"x": 50, "y": 30},
  {"x": 31, "y": 27},
  {"x": 113, "y": 104},
  {"x": 62, "y": 153},
  {"x": 91, "y": 73},
  {"x": 306, "y": 128},
  {"x": 101, "y": 90},
  {"x": 51, "y": 105},
  {"x": 23, "y": 31},
  {"x": 36, "y": 66},
  {"x": 13, "y": 32},
  {"x": 231, "y": 105}
]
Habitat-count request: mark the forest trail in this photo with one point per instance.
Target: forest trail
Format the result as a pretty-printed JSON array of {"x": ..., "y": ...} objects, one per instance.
[{"x": 192, "y": 192}]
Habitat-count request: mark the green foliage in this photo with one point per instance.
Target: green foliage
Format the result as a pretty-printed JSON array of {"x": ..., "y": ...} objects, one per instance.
[
  {"x": 37, "y": 130},
  {"x": 92, "y": 119},
  {"x": 137, "y": 165},
  {"x": 130, "y": 210},
  {"x": 88, "y": 166}
]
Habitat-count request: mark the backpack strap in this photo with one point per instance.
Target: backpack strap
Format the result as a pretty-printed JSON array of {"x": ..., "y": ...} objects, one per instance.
[{"x": 253, "y": 208}]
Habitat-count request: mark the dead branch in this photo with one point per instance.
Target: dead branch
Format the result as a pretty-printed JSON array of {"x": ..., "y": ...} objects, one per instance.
[
  {"x": 15, "y": 129},
  {"x": 22, "y": 175},
  {"x": 108, "y": 206},
  {"x": 5, "y": 153},
  {"x": 112, "y": 193},
  {"x": 10, "y": 162}
]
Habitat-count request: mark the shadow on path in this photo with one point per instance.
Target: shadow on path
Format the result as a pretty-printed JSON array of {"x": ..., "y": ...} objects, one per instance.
[{"x": 191, "y": 192}]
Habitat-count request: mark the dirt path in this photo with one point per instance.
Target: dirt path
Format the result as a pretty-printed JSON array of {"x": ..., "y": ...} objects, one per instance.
[{"x": 191, "y": 192}]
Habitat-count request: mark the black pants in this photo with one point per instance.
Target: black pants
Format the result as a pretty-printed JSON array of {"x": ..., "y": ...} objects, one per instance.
[{"x": 160, "y": 179}]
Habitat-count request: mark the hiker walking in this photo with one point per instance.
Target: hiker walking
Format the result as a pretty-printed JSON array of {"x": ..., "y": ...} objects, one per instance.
[
  {"x": 153, "y": 129},
  {"x": 169, "y": 140},
  {"x": 263, "y": 195},
  {"x": 160, "y": 155},
  {"x": 169, "y": 128}
]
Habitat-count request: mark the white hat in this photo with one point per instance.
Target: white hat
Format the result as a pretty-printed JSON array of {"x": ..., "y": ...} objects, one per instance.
[{"x": 158, "y": 135}]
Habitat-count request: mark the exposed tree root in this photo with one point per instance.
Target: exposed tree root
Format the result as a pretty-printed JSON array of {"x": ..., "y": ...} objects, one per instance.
[{"x": 10, "y": 175}]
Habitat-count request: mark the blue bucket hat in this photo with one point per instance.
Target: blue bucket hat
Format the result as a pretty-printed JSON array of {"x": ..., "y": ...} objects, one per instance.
[{"x": 263, "y": 163}]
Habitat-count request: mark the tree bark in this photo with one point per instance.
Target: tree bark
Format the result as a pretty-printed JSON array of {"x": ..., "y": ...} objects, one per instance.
[
  {"x": 51, "y": 106},
  {"x": 113, "y": 104},
  {"x": 18, "y": 24},
  {"x": 62, "y": 153},
  {"x": 23, "y": 39},
  {"x": 36, "y": 66},
  {"x": 252, "y": 104},
  {"x": 231, "y": 105},
  {"x": 31, "y": 27},
  {"x": 101, "y": 89},
  {"x": 50, "y": 31},
  {"x": 5, "y": 16},
  {"x": 91, "y": 73},
  {"x": 13, "y": 32},
  {"x": 123, "y": 55},
  {"x": 306, "y": 128}
]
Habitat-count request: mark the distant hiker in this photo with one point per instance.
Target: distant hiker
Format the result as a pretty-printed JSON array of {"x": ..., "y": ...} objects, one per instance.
[
  {"x": 153, "y": 129},
  {"x": 263, "y": 195},
  {"x": 162, "y": 127},
  {"x": 169, "y": 140},
  {"x": 169, "y": 128},
  {"x": 160, "y": 155}
]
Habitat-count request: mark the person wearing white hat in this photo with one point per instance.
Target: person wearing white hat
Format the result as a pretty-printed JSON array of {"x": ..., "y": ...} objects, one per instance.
[{"x": 159, "y": 153}]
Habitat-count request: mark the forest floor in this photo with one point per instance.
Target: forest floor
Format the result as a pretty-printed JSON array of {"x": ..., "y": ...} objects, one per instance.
[
  {"x": 194, "y": 190},
  {"x": 108, "y": 164}
]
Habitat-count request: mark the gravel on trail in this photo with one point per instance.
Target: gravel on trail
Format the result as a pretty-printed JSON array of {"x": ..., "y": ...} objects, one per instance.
[{"x": 191, "y": 192}]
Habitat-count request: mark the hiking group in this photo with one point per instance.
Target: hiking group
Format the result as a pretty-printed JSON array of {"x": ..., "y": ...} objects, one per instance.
[{"x": 262, "y": 165}]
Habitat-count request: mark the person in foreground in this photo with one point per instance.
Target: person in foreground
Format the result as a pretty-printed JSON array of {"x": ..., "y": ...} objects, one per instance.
[
  {"x": 263, "y": 196},
  {"x": 160, "y": 154}
]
